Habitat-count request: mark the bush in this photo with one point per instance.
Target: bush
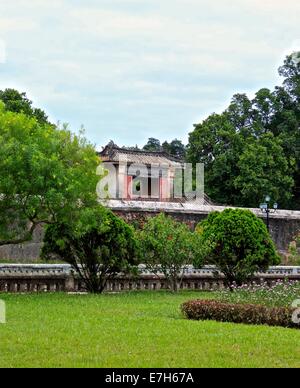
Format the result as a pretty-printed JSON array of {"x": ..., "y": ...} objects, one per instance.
[
  {"x": 238, "y": 244},
  {"x": 239, "y": 313},
  {"x": 98, "y": 245},
  {"x": 167, "y": 247}
]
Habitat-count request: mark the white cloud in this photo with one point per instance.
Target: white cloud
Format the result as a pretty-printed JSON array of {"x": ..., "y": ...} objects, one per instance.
[
  {"x": 142, "y": 66},
  {"x": 16, "y": 25},
  {"x": 113, "y": 23},
  {"x": 2, "y": 52}
]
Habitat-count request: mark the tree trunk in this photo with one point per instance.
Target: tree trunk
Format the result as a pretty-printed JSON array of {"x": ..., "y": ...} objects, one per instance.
[{"x": 174, "y": 284}]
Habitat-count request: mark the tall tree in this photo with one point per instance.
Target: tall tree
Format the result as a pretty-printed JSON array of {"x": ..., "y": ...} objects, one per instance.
[
  {"x": 291, "y": 110},
  {"x": 175, "y": 148},
  {"x": 290, "y": 71},
  {"x": 266, "y": 128},
  {"x": 46, "y": 174},
  {"x": 217, "y": 145},
  {"x": 264, "y": 169},
  {"x": 153, "y": 145},
  {"x": 19, "y": 103}
]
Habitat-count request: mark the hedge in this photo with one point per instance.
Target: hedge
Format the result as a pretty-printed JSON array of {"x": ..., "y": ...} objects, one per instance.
[{"x": 239, "y": 313}]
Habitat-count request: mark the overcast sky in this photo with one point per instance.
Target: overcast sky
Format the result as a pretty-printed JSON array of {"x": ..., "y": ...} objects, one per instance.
[{"x": 131, "y": 69}]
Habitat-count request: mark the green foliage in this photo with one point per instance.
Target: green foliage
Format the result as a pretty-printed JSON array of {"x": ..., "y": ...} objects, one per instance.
[
  {"x": 253, "y": 147},
  {"x": 239, "y": 313},
  {"x": 167, "y": 247},
  {"x": 99, "y": 245},
  {"x": 19, "y": 103},
  {"x": 238, "y": 244},
  {"x": 176, "y": 149},
  {"x": 261, "y": 155},
  {"x": 216, "y": 144},
  {"x": 153, "y": 145},
  {"x": 46, "y": 174},
  {"x": 294, "y": 250}
]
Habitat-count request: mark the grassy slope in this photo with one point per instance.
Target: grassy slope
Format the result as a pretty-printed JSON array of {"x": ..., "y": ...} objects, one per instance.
[{"x": 133, "y": 330}]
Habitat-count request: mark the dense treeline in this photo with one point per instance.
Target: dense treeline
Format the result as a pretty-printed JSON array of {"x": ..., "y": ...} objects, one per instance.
[
  {"x": 252, "y": 149},
  {"x": 175, "y": 148}
]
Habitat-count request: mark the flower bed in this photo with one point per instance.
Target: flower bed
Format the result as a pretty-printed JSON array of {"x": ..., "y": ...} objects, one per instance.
[{"x": 280, "y": 294}]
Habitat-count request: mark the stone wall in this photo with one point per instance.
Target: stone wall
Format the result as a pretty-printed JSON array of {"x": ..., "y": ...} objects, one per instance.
[
  {"x": 284, "y": 224},
  {"x": 22, "y": 253}
]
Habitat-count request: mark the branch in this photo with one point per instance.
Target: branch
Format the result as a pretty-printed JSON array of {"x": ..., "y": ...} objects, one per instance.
[{"x": 21, "y": 240}]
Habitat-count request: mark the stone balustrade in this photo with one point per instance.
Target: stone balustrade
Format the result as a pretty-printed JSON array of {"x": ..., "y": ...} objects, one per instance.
[{"x": 60, "y": 278}]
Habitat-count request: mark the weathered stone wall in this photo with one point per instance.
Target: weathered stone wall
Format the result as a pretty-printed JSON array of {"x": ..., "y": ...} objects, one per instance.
[
  {"x": 24, "y": 252},
  {"x": 283, "y": 231},
  {"x": 284, "y": 224}
]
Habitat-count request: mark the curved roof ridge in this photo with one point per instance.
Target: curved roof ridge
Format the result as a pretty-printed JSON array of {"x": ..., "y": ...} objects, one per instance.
[{"x": 111, "y": 147}]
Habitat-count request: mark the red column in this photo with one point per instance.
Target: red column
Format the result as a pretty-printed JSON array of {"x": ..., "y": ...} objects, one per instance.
[
  {"x": 128, "y": 187},
  {"x": 164, "y": 189}
]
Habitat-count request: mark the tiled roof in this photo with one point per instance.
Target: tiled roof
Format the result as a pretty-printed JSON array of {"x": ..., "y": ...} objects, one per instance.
[{"x": 113, "y": 153}]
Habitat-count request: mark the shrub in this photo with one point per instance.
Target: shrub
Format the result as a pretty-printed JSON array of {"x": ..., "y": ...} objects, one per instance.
[
  {"x": 98, "y": 245},
  {"x": 167, "y": 247},
  {"x": 239, "y": 313},
  {"x": 238, "y": 244}
]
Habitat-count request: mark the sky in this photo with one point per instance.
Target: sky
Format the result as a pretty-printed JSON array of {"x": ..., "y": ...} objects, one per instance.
[{"x": 132, "y": 69}]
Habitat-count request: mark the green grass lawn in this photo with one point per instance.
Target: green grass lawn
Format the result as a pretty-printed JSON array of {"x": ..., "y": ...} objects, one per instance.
[{"x": 133, "y": 330}]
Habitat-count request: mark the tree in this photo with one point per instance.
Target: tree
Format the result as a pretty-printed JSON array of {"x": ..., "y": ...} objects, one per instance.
[
  {"x": 238, "y": 244},
  {"x": 168, "y": 247},
  {"x": 240, "y": 113},
  {"x": 290, "y": 123},
  {"x": 19, "y": 103},
  {"x": 98, "y": 245},
  {"x": 176, "y": 149},
  {"x": 217, "y": 145},
  {"x": 290, "y": 71},
  {"x": 46, "y": 174},
  {"x": 264, "y": 169},
  {"x": 153, "y": 145},
  {"x": 269, "y": 126}
]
